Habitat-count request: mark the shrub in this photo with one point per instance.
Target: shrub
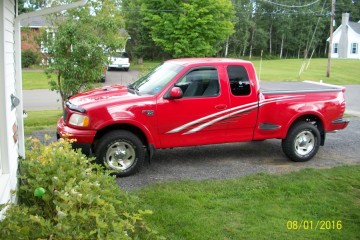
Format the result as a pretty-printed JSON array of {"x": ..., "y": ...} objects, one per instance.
[
  {"x": 29, "y": 58},
  {"x": 62, "y": 195}
]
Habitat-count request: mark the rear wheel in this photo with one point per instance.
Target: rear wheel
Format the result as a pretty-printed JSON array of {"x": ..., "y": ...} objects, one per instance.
[
  {"x": 121, "y": 152},
  {"x": 302, "y": 142}
]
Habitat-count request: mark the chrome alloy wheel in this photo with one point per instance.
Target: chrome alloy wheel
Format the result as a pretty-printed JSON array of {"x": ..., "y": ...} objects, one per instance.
[
  {"x": 120, "y": 156},
  {"x": 304, "y": 142}
]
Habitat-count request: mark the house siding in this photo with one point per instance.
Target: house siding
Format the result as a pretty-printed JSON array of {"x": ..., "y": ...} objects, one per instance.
[
  {"x": 344, "y": 36},
  {"x": 8, "y": 120},
  {"x": 353, "y": 38}
]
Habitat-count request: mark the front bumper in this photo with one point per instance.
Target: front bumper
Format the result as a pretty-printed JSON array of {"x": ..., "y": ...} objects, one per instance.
[{"x": 83, "y": 138}]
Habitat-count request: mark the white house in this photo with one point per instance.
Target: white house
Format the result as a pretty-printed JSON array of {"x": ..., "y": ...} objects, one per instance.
[
  {"x": 346, "y": 39},
  {"x": 11, "y": 120},
  {"x": 11, "y": 105}
]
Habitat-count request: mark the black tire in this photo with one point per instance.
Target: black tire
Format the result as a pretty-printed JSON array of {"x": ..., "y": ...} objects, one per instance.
[
  {"x": 126, "y": 69},
  {"x": 121, "y": 152},
  {"x": 302, "y": 142}
]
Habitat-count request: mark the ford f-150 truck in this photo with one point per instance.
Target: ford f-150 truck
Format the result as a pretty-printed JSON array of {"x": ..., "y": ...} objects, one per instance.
[{"x": 199, "y": 101}]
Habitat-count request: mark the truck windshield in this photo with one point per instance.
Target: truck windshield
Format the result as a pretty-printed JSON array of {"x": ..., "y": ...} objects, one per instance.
[{"x": 154, "y": 81}]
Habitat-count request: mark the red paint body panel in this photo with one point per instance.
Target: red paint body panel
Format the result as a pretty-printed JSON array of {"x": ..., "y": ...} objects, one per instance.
[{"x": 190, "y": 121}]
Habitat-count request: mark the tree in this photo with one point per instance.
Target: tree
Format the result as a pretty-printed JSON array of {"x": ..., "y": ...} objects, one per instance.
[
  {"x": 239, "y": 41},
  {"x": 80, "y": 46},
  {"x": 141, "y": 44},
  {"x": 193, "y": 28}
]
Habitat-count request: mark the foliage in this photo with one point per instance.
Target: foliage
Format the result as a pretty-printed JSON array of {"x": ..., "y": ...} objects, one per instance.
[
  {"x": 80, "y": 47},
  {"x": 287, "y": 29},
  {"x": 259, "y": 206},
  {"x": 63, "y": 196},
  {"x": 141, "y": 44},
  {"x": 194, "y": 28},
  {"x": 29, "y": 58}
]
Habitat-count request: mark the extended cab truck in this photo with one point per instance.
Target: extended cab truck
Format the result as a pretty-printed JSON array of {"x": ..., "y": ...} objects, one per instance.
[{"x": 190, "y": 102}]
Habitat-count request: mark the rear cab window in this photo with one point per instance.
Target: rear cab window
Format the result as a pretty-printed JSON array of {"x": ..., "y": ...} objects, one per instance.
[
  {"x": 120, "y": 55},
  {"x": 239, "y": 80}
]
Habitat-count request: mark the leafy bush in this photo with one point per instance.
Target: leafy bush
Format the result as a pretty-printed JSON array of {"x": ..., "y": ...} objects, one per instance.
[
  {"x": 29, "y": 58},
  {"x": 62, "y": 195}
]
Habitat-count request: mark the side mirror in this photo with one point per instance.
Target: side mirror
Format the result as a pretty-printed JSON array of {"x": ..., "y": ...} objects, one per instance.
[{"x": 175, "y": 93}]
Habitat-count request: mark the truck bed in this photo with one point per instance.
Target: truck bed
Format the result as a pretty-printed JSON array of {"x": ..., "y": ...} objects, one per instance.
[{"x": 297, "y": 87}]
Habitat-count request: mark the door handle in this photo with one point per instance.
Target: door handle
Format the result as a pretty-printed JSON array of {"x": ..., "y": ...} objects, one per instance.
[{"x": 220, "y": 107}]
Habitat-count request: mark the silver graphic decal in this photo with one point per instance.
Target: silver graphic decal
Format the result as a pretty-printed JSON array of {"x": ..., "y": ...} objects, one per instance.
[{"x": 219, "y": 116}]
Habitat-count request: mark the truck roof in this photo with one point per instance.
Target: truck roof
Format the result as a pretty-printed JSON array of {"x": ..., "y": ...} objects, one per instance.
[{"x": 190, "y": 61}]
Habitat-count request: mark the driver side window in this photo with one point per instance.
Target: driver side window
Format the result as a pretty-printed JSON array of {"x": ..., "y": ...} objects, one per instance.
[{"x": 201, "y": 82}]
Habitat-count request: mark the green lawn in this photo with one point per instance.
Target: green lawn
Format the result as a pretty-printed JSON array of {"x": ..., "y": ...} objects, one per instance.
[
  {"x": 342, "y": 71},
  {"x": 310, "y": 204},
  {"x": 34, "y": 80},
  {"x": 40, "y": 120}
]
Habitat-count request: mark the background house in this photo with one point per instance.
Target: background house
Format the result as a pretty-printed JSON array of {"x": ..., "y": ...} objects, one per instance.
[
  {"x": 346, "y": 39},
  {"x": 30, "y": 32}
]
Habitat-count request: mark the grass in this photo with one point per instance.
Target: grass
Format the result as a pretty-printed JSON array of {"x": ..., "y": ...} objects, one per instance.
[
  {"x": 259, "y": 206},
  {"x": 41, "y": 120},
  {"x": 35, "y": 80},
  {"x": 342, "y": 71}
]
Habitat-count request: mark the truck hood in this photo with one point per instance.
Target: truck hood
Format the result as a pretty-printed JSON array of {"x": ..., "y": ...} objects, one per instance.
[{"x": 109, "y": 95}]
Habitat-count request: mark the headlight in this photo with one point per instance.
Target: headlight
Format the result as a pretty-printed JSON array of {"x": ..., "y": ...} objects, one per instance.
[{"x": 79, "y": 120}]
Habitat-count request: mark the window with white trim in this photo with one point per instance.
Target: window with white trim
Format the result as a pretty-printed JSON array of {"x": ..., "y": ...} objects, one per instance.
[
  {"x": 335, "y": 50},
  {"x": 354, "y": 48}
]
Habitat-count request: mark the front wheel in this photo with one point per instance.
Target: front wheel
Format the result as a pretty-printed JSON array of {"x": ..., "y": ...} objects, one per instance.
[
  {"x": 302, "y": 142},
  {"x": 121, "y": 152}
]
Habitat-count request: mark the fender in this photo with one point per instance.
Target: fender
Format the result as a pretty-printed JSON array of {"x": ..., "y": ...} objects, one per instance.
[
  {"x": 126, "y": 118},
  {"x": 300, "y": 115}
]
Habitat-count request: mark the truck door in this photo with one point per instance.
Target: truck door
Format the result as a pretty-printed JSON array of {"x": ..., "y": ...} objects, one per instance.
[
  {"x": 243, "y": 103},
  {"x": 197, "y": 117}
]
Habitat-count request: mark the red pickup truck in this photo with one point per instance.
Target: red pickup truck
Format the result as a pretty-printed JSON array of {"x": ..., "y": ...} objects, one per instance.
[{"x": 191, "y": 102}]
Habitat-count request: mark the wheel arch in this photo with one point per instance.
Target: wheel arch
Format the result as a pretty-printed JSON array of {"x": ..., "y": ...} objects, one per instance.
[
  {"x": 123, "y": 126},
  {"x": 315, "y": 119}
]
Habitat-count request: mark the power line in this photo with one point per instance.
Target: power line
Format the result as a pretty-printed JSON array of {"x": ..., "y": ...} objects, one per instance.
[{"x": 291, "y": 6}]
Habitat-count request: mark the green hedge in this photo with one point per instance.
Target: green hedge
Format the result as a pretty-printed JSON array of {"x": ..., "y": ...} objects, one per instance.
[
  {"x": 62, "y": 195},
  {"x": 29, "y": 58}
]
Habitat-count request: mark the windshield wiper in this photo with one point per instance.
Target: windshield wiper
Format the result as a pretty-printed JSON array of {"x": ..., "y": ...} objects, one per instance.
[{"x": 132, "y": 89}]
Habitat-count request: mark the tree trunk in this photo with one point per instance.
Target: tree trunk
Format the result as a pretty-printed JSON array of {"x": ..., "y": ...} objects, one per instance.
[
  {"x": 282, "y": 45},
  {"x": 60, "y": 90},
  {"x": 270, "y": 42},
  {"x": 251, "y": 42}
]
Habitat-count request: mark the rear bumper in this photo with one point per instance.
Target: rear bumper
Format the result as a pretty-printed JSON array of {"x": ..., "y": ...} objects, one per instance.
[
  {"x": 122, "y": 65},
  {"x": 339, "y": 124},
  {"x": 83, "y": 138}
]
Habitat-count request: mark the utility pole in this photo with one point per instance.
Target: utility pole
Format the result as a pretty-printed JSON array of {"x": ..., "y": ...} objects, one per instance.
[{"x": 331, "y": 38}]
